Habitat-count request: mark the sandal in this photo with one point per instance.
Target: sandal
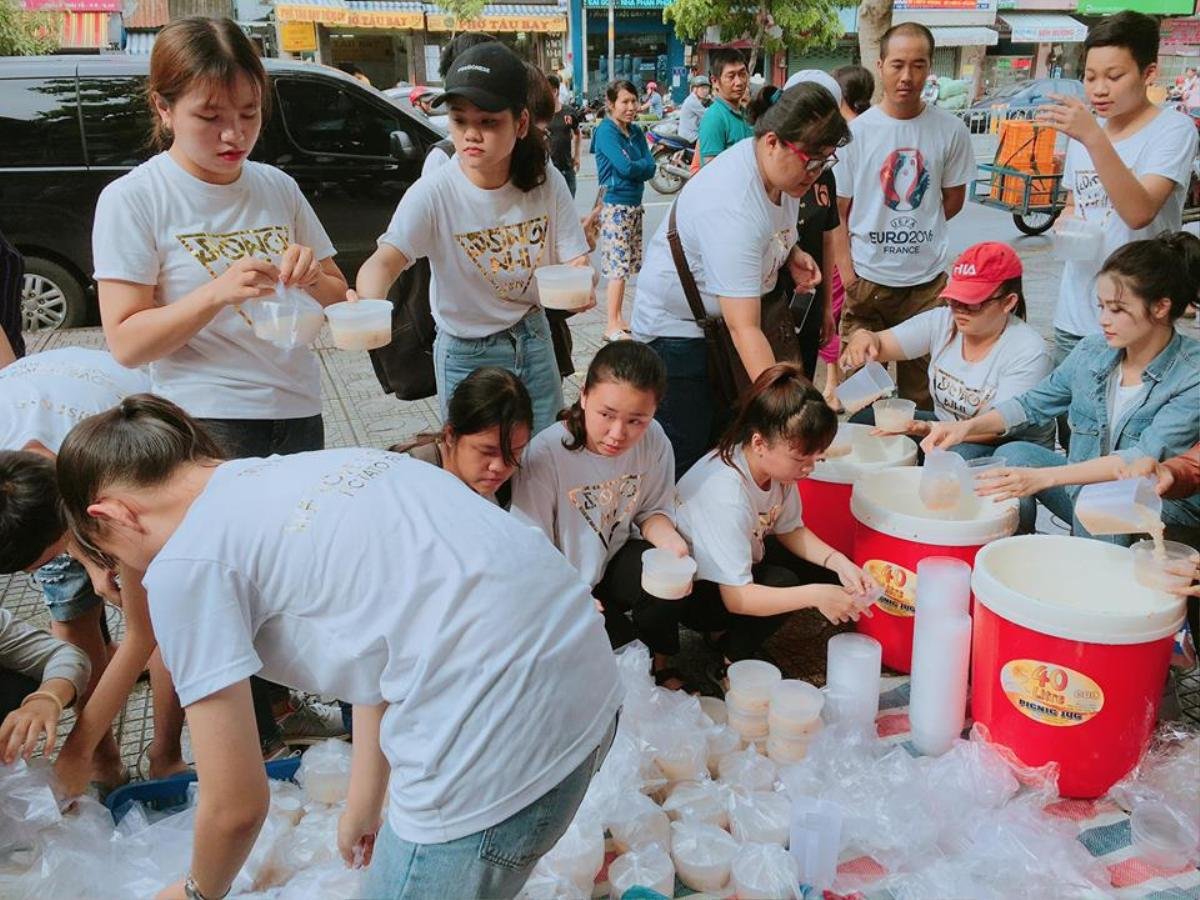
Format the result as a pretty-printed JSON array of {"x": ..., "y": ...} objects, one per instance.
[{"x": 619, "y": 334}]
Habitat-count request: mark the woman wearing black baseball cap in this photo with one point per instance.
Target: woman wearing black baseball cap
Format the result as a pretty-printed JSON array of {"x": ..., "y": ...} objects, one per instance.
[{"x": 486, "y": 220}]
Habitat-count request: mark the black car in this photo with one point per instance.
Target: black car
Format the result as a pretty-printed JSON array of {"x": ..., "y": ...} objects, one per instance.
[{"x": 71, "y": 124}]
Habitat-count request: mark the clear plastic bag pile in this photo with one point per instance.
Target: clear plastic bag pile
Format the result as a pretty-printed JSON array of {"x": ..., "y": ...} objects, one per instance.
[{"x": 79, "y": 853}]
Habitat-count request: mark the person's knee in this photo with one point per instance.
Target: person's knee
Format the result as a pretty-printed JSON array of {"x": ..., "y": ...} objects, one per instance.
[{"x": 1020, "y": 453}]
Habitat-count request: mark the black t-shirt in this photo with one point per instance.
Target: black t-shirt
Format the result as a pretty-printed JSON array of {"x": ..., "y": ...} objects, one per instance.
[
  {"x": 563, "y": 126},
  {"x": 12, "y": 277},
  {"x": 818, "y": 214}
]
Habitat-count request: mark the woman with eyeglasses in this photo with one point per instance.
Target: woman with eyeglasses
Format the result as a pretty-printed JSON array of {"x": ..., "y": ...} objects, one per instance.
[
  {"x": 736, "y": 226},
  {"x": 981, "y": 350}
]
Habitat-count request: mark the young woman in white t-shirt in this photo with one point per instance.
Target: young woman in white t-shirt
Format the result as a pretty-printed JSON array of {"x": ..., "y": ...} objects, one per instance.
[
  {"x": 486, "y": 220},
  {"x": 740, "y": 511},
  {"x": 981, "y": 351},
  {"x": 485, "y": 692},
  {"x": 601, "y": 485},
  {"x": 186, "y": 238}
]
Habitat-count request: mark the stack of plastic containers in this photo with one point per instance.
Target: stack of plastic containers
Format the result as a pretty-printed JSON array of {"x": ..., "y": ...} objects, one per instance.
[
  {"x": 941, "y": 654},
  {"x": 852, "y": 680},
  {"x": 749, "y": 697},
  {"x": 794, "y": 718}
]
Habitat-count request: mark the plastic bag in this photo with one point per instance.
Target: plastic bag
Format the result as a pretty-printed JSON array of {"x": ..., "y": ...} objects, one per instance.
[
  {"x": 760, "y": 817},
  {"x": 749, "y": 770},
  {"x": 578, "y": 856},
  {"x": 635, "y": 821},
  {"x": 27, "y": 805},
  {"x": 324, "y": 771},
  {"x": 765, "y": 872},
  {"x": 699, "y": 801},
  {"x": 546, "y": 885},
  {"x": 289, "y": 318},
  {"x": 313, "y": 841},
  {"x": 1166, "y": 773},
  {"x": 682, "y": 755},
  {"x": 702, "y": 855},
  {"x": 722, "y": 740},
  {"x": 649, "y": 867},
  {"x": 268, "y": 864}
]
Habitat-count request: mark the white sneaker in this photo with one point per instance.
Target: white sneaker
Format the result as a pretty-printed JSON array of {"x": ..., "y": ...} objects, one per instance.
[{"x": 311, "y": 722}]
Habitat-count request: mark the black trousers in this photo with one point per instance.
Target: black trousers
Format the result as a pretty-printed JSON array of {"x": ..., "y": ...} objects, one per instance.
[
  {"x": 704, "y": 610},
  {"x": 629, "y": 612},
  {"x": 14, "y": 687}
]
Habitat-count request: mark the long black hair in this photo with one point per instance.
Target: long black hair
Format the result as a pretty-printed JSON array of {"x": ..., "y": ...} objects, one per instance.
[
  {"x": 621, "y": 362},
  {"x": 782, "y": 404},
  {"x": 805, "y": 114},
  {"x": 490, "y": 397},
  {"x": 1163, "y": 267}
]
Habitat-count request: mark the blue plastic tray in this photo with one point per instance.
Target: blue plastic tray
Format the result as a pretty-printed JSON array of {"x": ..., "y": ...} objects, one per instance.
[{"x": 166, "y": 794}]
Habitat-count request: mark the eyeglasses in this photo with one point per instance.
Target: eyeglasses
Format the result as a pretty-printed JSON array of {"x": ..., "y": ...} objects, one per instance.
[
  {"x": 813, "y": 165},
  {"x": 957, "y": 306}
]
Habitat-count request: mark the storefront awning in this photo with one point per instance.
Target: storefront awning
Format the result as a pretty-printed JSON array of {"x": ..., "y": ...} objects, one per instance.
[
  {"x": 356, "y": 13},
  {"x": 84, "y": 30},
  {"x": 964, "y": 36},
  {"x": 505, "y": 17},
  {"x": 1044, "y": 28}
]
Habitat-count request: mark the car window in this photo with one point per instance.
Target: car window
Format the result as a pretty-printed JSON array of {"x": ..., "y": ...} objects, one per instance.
[
  {"x": 325, "y": 117},
  {"x": 38, "y": 122},
  {"x": 116, "y": 120}
]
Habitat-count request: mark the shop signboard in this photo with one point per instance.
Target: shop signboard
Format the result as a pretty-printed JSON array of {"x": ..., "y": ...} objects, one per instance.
[
  {"x": 377, "y": 19},
  {"x": 626, "y": 4},
  {"x": 298, "y": 37},
  {"x": 79, "y": 6},
  {"x": 1180, "y": 32},
  {"x": 1152, "y": 7},
  {"x": 949, "y": 13},
  {"x": 555, "y": 24},
  {"x": 321, "y": 15}
]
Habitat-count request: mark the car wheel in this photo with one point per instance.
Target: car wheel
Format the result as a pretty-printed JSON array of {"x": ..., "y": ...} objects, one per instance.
[{"x": 51, "y": 297}]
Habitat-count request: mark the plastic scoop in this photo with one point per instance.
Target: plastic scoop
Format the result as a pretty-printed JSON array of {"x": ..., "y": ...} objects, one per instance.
[
  {"x": 666, "y": 575},
  {"x": 864, "y": 387},
  {"x": 360, "y": 325},
  {"x": 1129, "y": 506},
  {"x": 564, "y": 287}
]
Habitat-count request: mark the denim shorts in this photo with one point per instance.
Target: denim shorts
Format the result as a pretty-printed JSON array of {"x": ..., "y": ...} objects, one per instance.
[{"x": 67, "y": 588}]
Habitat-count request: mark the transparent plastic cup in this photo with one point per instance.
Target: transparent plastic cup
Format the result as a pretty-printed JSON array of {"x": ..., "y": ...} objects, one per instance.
[
  {"x": 752, "y": 680},
  {"x": 1128, "y": 506},
  {"x": 361, "y": 324},
  {"x": 1166, "y": 567},
  {"x": 1162, "y": 837},
  {"x": 665, "y": 575},
  {"x": 816, "y": 840},
  {"x": 864, "y": 387},
  {"x": 1076, "y": 238},
  {"x": 564, "y": 287},
  {"x": 943, "y": 477},
  {"x": 795, "y": 705},
  {"x": 894, "y": 415}
]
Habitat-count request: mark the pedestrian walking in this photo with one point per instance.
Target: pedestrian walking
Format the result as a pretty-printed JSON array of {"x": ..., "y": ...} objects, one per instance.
[{"x": 563, "y": 131}]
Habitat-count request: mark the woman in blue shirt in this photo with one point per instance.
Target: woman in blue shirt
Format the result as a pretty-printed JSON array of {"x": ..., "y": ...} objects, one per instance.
[
  {"x": 623, "y": 166},
  {"x": 1131, "y": 392}
]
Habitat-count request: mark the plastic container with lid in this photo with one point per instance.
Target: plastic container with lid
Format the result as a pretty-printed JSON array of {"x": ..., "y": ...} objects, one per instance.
[
  {"x": 894, "y": 531},
  {"x": 1162, "y": 837},
  {"x": 829, "y": 486},
  {"x": 852, "y": 676},
  {"x": 564, "y": 287},
  {"x": 665, "y": 575},
  {"x": 894, "y": 414},
  {"x": 765, "y": 872},
  {"x": 714, "y": 708},
  {"x": 290, "y": 318},
  {"x": 702, "y": 855},
  {"x": 1069, "y": 656},
  {"x": 784, "y": 750},
  {"x": 1166, "y": 567},
  {"x": 751, "y": 681},
  {"x": 1127, "y": 506},
  {"x": 361, "y": 324},
  {"x": 648, "y": 867},
  {"x": 864, "y": 387},
  {"x": 795, "y": 708},
  {"x": 750, "y": 727}
]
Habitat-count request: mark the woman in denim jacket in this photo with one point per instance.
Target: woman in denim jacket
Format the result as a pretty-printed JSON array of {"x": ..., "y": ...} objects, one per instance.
[{"x": 1132, "y": 392}]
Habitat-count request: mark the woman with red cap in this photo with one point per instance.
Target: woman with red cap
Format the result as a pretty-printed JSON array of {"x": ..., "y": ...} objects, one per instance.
[{"x": 980, "y": 347}]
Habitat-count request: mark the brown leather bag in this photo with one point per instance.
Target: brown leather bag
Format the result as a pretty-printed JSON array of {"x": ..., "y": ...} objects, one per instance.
[{"x": 726, "y": 374}]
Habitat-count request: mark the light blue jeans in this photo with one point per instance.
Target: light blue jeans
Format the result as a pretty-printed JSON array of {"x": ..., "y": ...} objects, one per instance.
[
  {"x": 1059, "y": 500},
  {"x": 493, "y": 863},
  {"x": 526, "y": 350}
]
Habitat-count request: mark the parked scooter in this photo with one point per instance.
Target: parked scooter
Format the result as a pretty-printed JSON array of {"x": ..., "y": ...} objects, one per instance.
[{"x": 672, "y": 156}]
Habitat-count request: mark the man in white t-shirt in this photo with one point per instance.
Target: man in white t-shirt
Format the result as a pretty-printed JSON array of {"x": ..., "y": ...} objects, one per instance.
[
  {"x": 900, "y": 179},
  {"x": 1127, "y": 173}
]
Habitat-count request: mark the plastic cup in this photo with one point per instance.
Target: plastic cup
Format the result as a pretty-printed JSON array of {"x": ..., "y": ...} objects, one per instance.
[
  {"x": 1161, "y": 837},
  {"x": 894, "y": 415},
  {"x": 1166, "y": 567},
  {"x": 285, "y": 323},
  {"x": 1078, "y": 239},
  {"x": 360, "y": 325},
  {"x": 816, "y": 840},
  {"x": 665, "y": 575},
  {"x": 1128, "y": 506},
  {"x": 564, "y": 287},
  {"x": 752, "y": 680},
  {"x": 864, "y": 387},
  {"x": 942, "y": 480}
]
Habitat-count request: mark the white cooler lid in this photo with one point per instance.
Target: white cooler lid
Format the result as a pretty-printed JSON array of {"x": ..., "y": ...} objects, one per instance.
[
  {"x": 1076, "y": 588},
  {"x": 887, "y": 501},
  {"x": 893, "y": 450}
]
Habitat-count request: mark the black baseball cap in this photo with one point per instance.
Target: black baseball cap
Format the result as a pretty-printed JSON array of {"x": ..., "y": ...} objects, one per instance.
[{"x": 489, "y": 75}]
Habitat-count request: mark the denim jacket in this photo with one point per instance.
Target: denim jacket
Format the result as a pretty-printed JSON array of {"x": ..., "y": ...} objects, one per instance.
[{"x": 1164, "y": 422}]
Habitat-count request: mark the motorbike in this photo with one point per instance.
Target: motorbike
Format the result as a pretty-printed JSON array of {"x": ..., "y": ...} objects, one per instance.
[{"x": 672, "y": 156}]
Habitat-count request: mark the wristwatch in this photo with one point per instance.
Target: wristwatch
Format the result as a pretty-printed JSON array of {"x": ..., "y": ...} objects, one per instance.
[{"x": 193, "y": 893}]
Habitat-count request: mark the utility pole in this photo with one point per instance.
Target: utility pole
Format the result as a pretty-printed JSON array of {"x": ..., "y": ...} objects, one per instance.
[{"x": 612, "y": 39}]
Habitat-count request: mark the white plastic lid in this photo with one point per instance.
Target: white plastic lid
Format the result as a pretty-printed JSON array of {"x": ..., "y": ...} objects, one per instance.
[
  {"x": 893, "y": 450},
  {"x": 887, "y": 501},
  {"x": 1074, "y": 588}
]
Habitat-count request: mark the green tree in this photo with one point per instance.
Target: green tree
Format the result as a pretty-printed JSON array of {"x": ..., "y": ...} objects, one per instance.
[
  {"x": 770, "y": 25},
  {"x": 464, "y": 11},
  {"x": 24, "y": 33}
]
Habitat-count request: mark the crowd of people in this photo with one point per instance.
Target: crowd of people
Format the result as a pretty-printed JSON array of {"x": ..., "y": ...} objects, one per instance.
[{"x": 461, "y": 593}]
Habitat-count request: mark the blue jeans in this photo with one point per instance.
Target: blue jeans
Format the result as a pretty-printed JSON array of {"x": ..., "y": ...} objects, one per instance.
[
  {"x": 1059, "y": 500},
  {"x": 526, "y": 350},
  {"x": 495, "y": 862},
  {"x": 966, "y": 450},
  {"x": 687, "y": 412},
  {"x": 1064, "y": 343},
  {"x": 66, "y": 588}
]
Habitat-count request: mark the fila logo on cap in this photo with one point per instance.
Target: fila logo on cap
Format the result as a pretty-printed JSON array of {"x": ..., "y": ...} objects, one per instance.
[
  {"x": 965, "y": 269},
  {"x": 475, "y": 67}
]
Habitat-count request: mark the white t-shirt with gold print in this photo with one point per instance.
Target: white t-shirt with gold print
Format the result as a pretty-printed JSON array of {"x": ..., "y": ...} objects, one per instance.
[
  {"x": 161, "y": 226},
  {"x": 588, "y": 504},
  {"x": 484, "y": 245}
]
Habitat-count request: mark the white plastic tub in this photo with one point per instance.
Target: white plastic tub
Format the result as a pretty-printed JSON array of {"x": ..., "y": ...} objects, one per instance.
[
  {"x": 361, "y": 324},
  {"x": 564, "y": 287}
]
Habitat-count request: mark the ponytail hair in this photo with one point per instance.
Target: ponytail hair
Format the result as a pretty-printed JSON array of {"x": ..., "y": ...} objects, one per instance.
[
  {"x": 140, "y": 442},
  {"x": 490, "y": 397},
  {"x": 626, "y": 362},
  {"x": 781, "y": 405},
  {"x": 1163, "y": 267},
  {"x": 528, "y": 167},
  {"x": 806, "y": 114},
  {"x": 858, "y": 86}
]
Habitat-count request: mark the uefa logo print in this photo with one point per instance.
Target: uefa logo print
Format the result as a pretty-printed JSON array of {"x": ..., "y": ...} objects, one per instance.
[{"x": 904, "y": 179}]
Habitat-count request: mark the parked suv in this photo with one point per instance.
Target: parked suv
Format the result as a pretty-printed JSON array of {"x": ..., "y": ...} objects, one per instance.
[{"x": 71, "y": 124}]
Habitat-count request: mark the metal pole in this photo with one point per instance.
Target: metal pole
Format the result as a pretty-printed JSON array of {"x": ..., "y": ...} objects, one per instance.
[
  {"x": 583, "y": 27},
  {"x": 612, "y": 39}
]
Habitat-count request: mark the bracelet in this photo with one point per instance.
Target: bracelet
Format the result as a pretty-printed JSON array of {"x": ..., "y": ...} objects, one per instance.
[
  {"x": 193, "y": 893},
  {"x": 828, "y": 557},
  {"x": 46, "y": 695}
]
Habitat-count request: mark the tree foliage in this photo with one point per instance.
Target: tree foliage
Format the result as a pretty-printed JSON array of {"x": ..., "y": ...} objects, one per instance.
[
  {"x": 24, "y": 33},
  {"x": 770, "y": 25},
  {"x": 463, "y": 11}
]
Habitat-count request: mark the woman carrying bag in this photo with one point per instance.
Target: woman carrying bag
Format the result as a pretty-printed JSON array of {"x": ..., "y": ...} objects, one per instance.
[{"x": 700, "y": 303}]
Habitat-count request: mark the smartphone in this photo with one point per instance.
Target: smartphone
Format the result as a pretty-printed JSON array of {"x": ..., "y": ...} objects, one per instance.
[{"x": 801, "y": 305}]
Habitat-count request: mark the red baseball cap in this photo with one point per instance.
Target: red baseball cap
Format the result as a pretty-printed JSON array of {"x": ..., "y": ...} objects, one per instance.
[{"x": 980, "y": 271}]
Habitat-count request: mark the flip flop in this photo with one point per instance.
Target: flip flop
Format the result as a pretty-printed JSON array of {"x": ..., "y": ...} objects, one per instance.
[{"x": 619, "y": 334}]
